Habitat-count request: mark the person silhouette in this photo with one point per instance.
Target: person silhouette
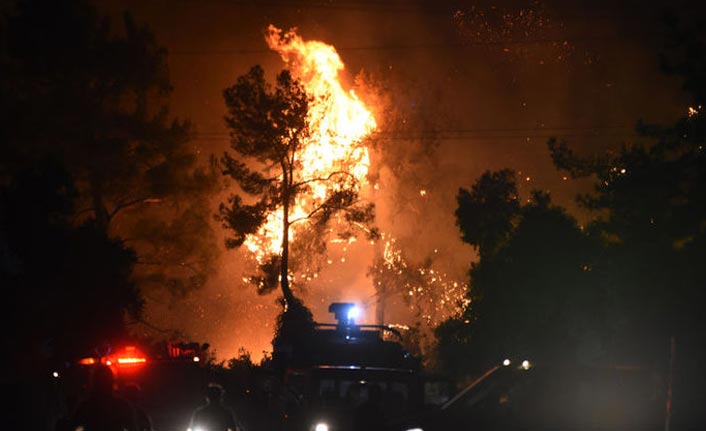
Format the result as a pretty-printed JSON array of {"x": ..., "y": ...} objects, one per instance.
[
  {"x": 132, "y": 392},
  {"x": 369, "y": 416},
  {"x": 103, "y": 409},
  {"x": 213, "y": 416}
]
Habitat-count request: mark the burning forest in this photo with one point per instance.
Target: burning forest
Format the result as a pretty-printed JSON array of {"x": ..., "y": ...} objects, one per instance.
[
  {"x": 327, "y": 172},
  {"x": 494, "y": 185}
]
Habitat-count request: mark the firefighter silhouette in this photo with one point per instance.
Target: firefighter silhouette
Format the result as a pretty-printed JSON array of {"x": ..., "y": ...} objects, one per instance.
[
  {"x": 103, "y": 409},
  {"x": 213, "y": 416}
]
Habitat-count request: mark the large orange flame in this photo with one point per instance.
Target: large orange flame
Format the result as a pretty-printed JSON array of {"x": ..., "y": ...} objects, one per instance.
[{"x": 338, "y": 121}]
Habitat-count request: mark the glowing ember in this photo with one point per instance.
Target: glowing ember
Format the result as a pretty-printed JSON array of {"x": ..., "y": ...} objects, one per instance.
[
  {"x": 430, "y": 293},
  {"x": 338, "y": 121}
]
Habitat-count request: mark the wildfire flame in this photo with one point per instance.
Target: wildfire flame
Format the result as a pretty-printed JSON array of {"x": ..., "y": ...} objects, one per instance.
[
  {"x": 338, "y": 121},
  {"x": 431, "y": 294}
]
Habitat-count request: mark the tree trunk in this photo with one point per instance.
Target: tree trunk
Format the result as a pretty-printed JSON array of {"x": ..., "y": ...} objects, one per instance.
[
  {"x": 380, "y": 289},
  {"x": 284, "y": 263}
]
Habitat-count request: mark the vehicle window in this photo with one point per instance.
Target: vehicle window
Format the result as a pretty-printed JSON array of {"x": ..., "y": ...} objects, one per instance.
[
  {"x": 395, "y": 399},
  {"x": 327, "y": 388},
  {"x": 395, "y": 391},
  {"x": 353, "y": 392},
  {"x": 349, "y": 391},
  {"x": 297, "y": 384}
]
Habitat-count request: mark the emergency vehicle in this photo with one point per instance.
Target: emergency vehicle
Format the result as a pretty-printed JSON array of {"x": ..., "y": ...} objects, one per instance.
[
  {"x": 330, "y": 374},
  {"x": 169, "y": 380}
]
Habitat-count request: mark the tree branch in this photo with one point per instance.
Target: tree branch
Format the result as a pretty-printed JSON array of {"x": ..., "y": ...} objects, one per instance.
[
  {"x": 324, "y": 206},
  {"x": 308, "y": 216},
  {"x": 328, "y": 178},
  {"x": 122, "y": 206}
]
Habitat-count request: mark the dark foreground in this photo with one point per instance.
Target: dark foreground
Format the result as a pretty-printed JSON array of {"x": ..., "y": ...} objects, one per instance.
[{"x": 506, "y": 398}]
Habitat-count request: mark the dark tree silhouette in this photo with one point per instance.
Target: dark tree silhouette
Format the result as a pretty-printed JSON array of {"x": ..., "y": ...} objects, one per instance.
[
  {"x": 486, "y": 214},
  {"x": 96, "y": 96},
  {"x": 650, "y": 204},
  {"x": 532, "y": 296},
  {"x": 269, "y": 127},
  {"x": 649, "y": 199},
  {"x": 616, "y": 290},
  {"x": 67, "y": 288}
]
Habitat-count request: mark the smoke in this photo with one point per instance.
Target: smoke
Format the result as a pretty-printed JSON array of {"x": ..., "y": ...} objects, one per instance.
[{"x": 451, "y": 102}]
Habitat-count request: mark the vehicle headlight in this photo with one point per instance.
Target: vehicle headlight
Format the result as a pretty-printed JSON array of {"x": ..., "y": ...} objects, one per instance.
[
  {"x": 415, "y": 429},
  {"x": 321, "y": 426}
]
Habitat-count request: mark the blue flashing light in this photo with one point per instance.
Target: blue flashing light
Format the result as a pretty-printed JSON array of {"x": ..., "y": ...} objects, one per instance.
[{"x": 353, "y": 313}]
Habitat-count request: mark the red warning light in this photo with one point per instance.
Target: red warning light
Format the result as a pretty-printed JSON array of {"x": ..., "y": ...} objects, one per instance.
[
  {"x": 87, "y": 361},
  {"x": 128, "y": 359},
  {"x": 129, "y": 355}
]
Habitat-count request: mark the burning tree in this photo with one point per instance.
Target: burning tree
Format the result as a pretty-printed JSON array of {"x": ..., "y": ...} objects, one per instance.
[
  {"x": 299, "y": 161},
  {"x": 428, "y": 294}
]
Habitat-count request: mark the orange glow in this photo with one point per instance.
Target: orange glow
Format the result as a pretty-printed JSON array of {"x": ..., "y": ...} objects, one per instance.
[
  {"x": 128, "y": 356},
  {"x": 436, "y": 296},
  {"x": 131, "y": 360},
  {"x": 87, "y": 361},
  {"x": 338, "y": 121}
]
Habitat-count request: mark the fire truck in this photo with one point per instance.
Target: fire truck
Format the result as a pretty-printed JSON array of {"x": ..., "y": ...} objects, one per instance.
[
  {"x": 169, "y": 379},
  {"x": 326, "y": 377}
]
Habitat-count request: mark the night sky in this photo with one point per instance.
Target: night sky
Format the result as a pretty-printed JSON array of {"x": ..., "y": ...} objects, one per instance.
[{"x": 494, "y": 80}]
